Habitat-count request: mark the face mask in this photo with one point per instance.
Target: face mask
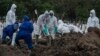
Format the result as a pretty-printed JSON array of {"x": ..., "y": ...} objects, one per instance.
[{"x": 51, "y": 14}]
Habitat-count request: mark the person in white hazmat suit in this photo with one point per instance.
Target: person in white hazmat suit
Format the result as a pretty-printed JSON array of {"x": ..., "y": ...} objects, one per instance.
[
  {"x": 11, "y": 18},
  {"x": 10, "y": 24},
  {"x": 40, "y": 24},
  {"x": 93, "y": 21},
  {"x": 62, "y": 27},
  {"x": 74, "y": 28},
  {"x": 67, "y": 28},
  {"x": 52, "y": 24}
]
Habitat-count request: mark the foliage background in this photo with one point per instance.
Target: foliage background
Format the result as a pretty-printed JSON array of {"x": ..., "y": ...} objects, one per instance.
[{"x": 64, "y": 9}]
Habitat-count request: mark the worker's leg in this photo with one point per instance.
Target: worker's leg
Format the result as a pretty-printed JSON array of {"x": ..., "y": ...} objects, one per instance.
[
  {"x": 4, "y": 37},
  {"x": 37, "y": 33},
  {"x": 18, "y": 37},
  {"x": 52, "y": 33},
  {"x": 49, "y": 40},
  {"x": 36, "y": 40},
  {"x": 10, "y": 34},
  {"x": 28, "y": 41}
]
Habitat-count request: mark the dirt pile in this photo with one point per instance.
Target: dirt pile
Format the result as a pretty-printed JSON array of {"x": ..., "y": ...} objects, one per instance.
[
  {"x": 73, "y": 44},
  {"x": 10, "y": 51}
]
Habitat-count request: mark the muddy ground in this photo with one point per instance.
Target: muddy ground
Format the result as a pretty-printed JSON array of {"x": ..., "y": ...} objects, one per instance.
[{"x": 73, "y": 44}]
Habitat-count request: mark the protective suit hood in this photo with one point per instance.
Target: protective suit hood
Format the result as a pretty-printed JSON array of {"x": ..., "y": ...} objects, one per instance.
[
  {"x": 51, "y": 12},
  {"x": 60, "y": 22},
  {"x": 13, "y": 7},
  {"x": 92, "y": 13},
  {"x": 26, "y": 18},
  {"x": 46, "y": 12}
]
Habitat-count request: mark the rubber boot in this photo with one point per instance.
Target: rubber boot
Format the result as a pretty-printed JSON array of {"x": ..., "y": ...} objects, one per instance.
[
  {"x": 49, "y": 40},
  {"x": 37, "y": 38}
]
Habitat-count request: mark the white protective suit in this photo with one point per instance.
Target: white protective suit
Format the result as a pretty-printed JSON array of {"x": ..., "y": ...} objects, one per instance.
[
  {"x": 66, "y": 28},
  {"x": 63, "y": 28},
  {"x": 74, "y": 28},
  {"x": 83, "y": 28},
  {"x": 35, "y": 29},
  {"x": 93, "y": 21},
  {"x": 1, "y": 29},
  {"x": 41, "y": 22},
  {"x": 52, "y": 24},
  {"x": 11, "y": 18}
]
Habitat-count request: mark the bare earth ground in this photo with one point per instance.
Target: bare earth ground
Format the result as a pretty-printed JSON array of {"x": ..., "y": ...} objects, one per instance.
[{"x": 73, "y": 44}]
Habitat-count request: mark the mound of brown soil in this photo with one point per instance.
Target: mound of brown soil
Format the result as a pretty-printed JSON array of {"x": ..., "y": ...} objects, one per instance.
[
  {"x": 73, "y": 44},
  {"x": 10, "y": 51}
]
